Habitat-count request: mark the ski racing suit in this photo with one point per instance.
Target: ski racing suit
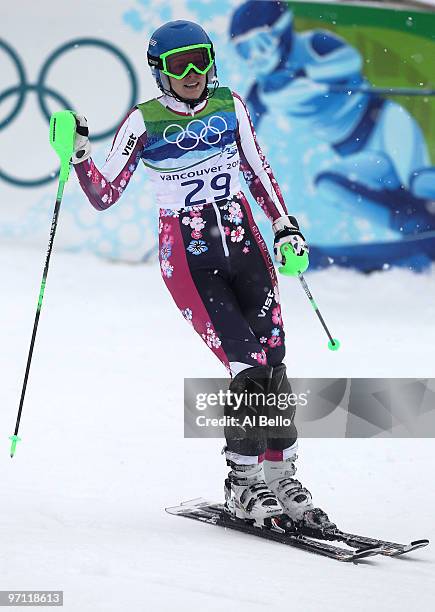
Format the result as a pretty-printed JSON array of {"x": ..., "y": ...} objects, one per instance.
[{"x": 213, "y": 258}]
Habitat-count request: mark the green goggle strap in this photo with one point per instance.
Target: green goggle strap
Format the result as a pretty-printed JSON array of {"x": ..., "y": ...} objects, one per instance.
[{"x": 188, "y": 68}]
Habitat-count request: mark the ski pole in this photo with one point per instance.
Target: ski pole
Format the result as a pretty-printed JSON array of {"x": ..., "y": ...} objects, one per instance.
[
  {"x": 62, "y": 132},
  {"x": 333, "y": 343},
  {"x": 392, "y": 91},
  {"x": 295, "y": 265}
]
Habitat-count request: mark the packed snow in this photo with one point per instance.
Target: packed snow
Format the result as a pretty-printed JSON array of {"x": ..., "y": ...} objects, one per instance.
[{"x": 102, "y": 451}]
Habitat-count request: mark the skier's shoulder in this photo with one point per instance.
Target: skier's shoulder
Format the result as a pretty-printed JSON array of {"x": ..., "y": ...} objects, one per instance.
[
  {"x": 322, "y": 42},
  {"x": 249, "y": 107},
  {"x": 151, "y": 110},
  {"x": 155, "y": 102},
  {"x": 133, "y": 121},
  {"x": 130, "y": 130},
  {"x": 131, "y": 116},
  {"x": 235, "y": 94},
  {"x": 229, "y": 99},
  {"x": 239, "y": 101},
  {"x": 223, "y": 93}
]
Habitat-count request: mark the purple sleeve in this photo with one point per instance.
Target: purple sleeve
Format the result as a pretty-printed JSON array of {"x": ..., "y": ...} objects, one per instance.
[{"x": 104, "y": 187}]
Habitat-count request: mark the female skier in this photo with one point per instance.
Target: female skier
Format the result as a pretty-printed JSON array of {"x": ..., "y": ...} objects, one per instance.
[{"x": 194, "y": 139}]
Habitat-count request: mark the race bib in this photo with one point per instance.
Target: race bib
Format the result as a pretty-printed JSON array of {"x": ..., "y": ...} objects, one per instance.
[{"x": 192, "y": 160}]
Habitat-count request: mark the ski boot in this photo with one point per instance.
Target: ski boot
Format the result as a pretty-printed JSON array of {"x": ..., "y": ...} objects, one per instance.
[
  {"x": 247, "y": 496},
  {"x": 295, "y": 499}
]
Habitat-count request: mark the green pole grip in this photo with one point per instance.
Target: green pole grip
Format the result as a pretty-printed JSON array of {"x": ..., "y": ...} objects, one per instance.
[
  {"x": 293, "y": 264},
  {"x": 62, "y": 135}
]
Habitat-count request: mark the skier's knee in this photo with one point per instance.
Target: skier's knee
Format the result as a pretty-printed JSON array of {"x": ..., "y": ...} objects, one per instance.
[
  {"x": 247, "y": 402},
  {"x": 281, "y": 410}
]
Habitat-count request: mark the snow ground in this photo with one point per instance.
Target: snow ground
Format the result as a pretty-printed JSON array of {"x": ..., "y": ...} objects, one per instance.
[{"x": 103, "y": 450}]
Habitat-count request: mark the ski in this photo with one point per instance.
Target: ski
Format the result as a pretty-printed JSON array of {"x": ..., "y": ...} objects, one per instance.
[
  {"x": 389, "y": 549},
  {"x": 211, "y": 513}
]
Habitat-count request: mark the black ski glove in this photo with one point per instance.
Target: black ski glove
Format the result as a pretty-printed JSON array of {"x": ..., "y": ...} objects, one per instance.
[
  {"x": 82, "y": 146},
  {"x": 286, "y": 230}
]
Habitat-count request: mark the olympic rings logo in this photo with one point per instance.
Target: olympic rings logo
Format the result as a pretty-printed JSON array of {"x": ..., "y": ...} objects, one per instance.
[
  {"x": 43, "y": 92},
  {"x": 208, "y": 133}
]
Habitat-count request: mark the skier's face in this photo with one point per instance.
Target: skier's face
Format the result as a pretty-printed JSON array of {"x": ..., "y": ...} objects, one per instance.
[
  {"x": 191, "y": 87},
  {"x": 261, "y": 51}
]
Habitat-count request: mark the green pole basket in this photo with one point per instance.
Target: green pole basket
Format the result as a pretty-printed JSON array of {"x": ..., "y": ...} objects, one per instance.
[
  {"x": 62, "y": 134},
  {"x": 293, "y": 264}
]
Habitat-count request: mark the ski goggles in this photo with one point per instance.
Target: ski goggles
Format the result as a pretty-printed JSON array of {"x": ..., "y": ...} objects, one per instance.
[
  {"x": 177, "y": 63},
  {"x": 257, "y": 46}
]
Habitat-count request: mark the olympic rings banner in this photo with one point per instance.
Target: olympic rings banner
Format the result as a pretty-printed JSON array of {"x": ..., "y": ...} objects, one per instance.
[
  {"x": 85, "y": 57},
  {"x": 341, "y": 94}
]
